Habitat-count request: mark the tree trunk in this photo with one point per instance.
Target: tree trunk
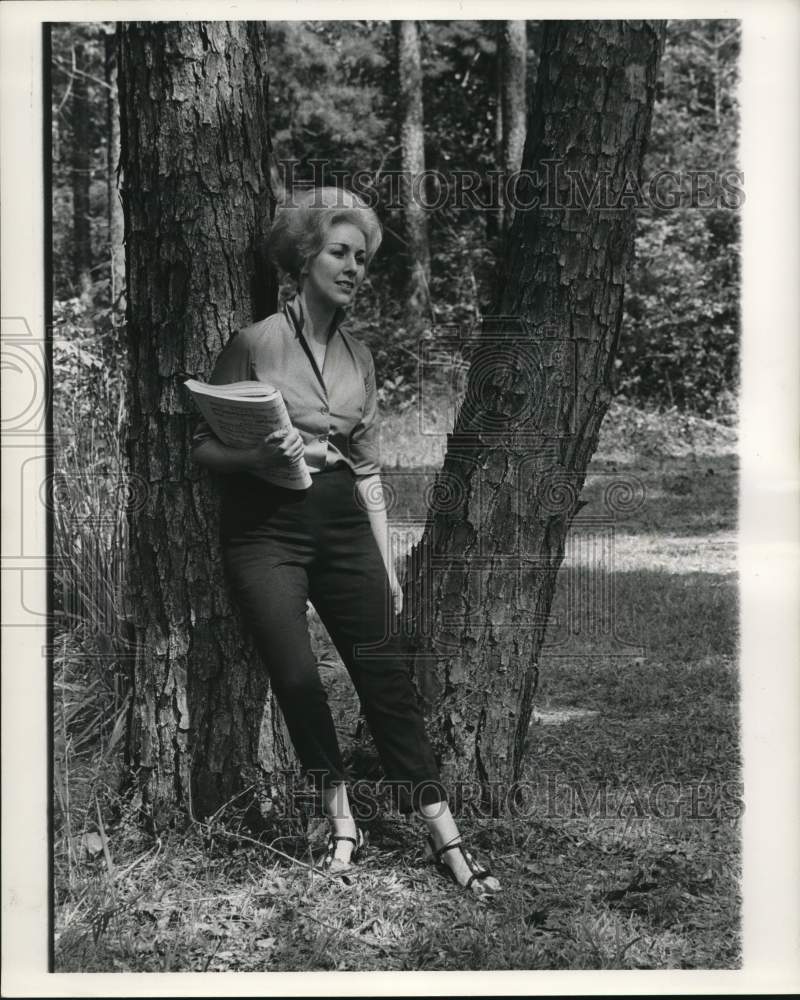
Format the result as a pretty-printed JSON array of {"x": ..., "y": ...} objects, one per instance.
[
  {"x": 482, "y": 579},
  {"x": 197, "y": 203},
  {"x": 514, "y": 48},
  {"x": 116, "y": 223},
  {"x": 412, "y": 189},
  {"x": 81, "y": 179}
]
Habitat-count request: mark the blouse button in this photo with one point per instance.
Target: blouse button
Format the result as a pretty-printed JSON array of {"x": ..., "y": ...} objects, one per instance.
[{"x": 323, "y": 409}]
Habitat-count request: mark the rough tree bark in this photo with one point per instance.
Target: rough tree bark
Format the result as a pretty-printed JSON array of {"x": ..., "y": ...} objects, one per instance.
[
  {"x": 481, "y": 582},
  {"x": 197, "y": 202},
  {"x": 412, "y": 156}
]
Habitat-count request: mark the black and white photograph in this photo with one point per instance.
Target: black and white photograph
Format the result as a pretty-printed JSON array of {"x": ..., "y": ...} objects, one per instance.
[{"x": 398, "y": 577}]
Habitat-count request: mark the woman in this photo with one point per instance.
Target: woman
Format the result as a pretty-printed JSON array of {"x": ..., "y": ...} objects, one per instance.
[{"x": 328, "y": 543}]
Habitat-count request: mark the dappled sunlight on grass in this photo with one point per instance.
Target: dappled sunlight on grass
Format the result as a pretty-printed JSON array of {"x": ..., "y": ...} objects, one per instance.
[{"x": 712, "y": 553}]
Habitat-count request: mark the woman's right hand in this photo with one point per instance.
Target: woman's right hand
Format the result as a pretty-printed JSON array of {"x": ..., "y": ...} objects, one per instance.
[{"x": 280, "y": 448}]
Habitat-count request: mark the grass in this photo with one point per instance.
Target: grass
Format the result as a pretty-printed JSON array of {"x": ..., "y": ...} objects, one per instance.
[{"x": 624, "y": 852}]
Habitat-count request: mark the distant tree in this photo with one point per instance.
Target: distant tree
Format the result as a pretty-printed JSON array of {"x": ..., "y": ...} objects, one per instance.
[
  {"x": 81, "y": 170},
  {"x": 682, "y": 325},
  {"x": 512, "y": 62},
  {"x": 412, "y": 158},
  {"x": 116, "y": 222},
  {"x": 330, "y": 96},
  {"x": 481, "y": 581},
  {"x": 80, "y": 107}
]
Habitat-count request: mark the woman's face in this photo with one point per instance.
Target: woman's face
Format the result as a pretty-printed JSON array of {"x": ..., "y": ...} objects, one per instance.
[{"x": 334, "y": 274}]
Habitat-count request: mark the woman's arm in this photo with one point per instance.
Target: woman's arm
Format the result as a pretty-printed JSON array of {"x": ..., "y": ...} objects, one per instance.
[
  {"x": 282, "y": 447},
  {"x": 371, "y": 493},
  {"x": 235, "y": 364}
]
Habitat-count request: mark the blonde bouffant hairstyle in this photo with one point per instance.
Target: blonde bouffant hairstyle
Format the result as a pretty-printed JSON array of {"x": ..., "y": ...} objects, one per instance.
[{"x": 301, "y": 225}]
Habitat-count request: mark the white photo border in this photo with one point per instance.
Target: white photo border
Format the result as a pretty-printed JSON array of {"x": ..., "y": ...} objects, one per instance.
[{"x": 769, "y": 535}]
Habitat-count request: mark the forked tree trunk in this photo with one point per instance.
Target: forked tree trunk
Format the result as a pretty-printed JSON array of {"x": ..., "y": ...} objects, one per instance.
[
  {"x": 197, "y": 202},
  {"x": 412, "y": 158},
  {"x": 481, "y": 582}
]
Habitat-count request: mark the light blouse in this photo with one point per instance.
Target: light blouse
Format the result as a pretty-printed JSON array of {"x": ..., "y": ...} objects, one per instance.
[{"x": 334, "y": 409}]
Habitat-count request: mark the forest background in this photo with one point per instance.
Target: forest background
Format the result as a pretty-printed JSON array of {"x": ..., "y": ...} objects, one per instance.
[
  {"x": 335, "y": 98},
  {"x": 334, "y": 110}
]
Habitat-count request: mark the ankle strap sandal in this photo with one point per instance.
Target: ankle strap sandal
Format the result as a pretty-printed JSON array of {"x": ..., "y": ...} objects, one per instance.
[
  {"x": 330, "y": 848},
  {"x": 479, "y": 873}
]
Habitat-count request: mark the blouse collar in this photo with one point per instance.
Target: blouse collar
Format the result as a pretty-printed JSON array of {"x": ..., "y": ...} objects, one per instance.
[{"x": 294, "y": 310}]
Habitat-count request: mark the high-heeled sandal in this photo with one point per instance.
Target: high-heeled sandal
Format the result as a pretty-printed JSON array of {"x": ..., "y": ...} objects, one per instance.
[
  {"x": 330, "y": 850},
  {"x": 479, "y": 873}
]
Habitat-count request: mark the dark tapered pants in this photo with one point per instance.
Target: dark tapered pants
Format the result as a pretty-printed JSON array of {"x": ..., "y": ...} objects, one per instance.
[{"x": 284, "y": 547}]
